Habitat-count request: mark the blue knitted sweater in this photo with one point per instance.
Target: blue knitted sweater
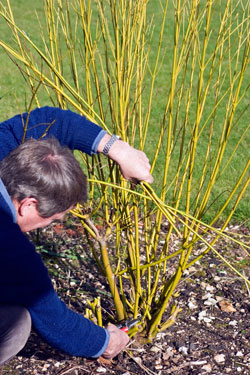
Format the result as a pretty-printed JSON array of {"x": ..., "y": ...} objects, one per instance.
[{"x": 24, "y": 279}]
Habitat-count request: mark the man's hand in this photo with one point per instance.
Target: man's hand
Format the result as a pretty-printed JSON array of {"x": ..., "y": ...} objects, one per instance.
[
  {"x": 133, "y": 163},
  {"x": 117, "y": 342}
]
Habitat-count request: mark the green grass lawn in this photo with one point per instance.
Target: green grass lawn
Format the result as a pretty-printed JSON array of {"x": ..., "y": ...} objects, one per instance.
[{"x": 15, "y": 96}]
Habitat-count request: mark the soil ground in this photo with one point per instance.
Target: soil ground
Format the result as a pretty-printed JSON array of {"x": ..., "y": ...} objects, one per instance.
[{"x": 211, "y": 334}]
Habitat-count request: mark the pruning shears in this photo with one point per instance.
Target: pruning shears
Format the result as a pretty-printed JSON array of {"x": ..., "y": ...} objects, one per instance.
[{"x": 128, "y": 324}]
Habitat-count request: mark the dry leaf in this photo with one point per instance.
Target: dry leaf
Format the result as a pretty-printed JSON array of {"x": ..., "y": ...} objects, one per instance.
[
  {"x": 226, "y": 306},
  {"x": 104, "y": 361}
]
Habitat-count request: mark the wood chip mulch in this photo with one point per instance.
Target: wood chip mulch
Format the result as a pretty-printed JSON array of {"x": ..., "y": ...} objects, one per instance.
[{"x": 211, "y": 334}]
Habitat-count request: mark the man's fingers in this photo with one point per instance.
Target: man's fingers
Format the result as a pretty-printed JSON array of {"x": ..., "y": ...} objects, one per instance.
[
  {"x": 133, "y": 163},
  {"x": 149, "y": 179},
  {"x": 117, "y": 342}
]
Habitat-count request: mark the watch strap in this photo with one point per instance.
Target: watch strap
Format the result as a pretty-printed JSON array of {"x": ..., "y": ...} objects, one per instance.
[{"x": 110, "y": 142}]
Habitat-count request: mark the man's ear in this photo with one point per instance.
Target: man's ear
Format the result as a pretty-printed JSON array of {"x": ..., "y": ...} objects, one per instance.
[{"x": 26, "y": 206}]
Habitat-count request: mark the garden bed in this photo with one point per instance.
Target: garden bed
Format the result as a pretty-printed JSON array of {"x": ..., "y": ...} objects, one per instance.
[{"x": 211, "y": 334}]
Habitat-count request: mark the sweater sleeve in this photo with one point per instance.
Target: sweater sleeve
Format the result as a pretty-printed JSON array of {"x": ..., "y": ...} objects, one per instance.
[
  {"x": 71, "y": 129},
  {"x": 24, "y": 280},
  {"x": 65, "y": 329}
]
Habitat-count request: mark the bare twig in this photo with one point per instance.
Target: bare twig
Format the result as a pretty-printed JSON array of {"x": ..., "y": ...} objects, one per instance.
[
  {"x": 144, "y": 368},
  {"x": 72, "y": 368}
]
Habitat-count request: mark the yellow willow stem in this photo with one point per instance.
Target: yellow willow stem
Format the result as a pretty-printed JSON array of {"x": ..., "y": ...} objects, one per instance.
[
  {"x": 94, "y": 251},
  {"x": 135, "y": 62},
  {"x": 180, "y": 181},
  {"x": 188, "y": 34},
  {"x": 139, "y": 86},
  {"x": 212, "y": 60},
  {"x": 89, "y": 315},
  {"x": 131, "y": 246},
  {"x": 161, "y": 206},
  {"x": 243, "y": 136},
  {"x": 171, "y": 102},
  {"x": 170, "y": 108},
  {"x": 129, "y": 303},
  {"x": 157, "y": 274},
  {"x": 164, "y": 303},
  {"x": 34, "y": 91},
  {"x": 119, "y": 70},
  {"x": 53, "y": 45},
  {"x": 240, "y": 195},
  {"x": 88, "y": 58},
  {"x": 116, "y": 54},
  {"x": 211, "y": 71},
  {"x": 138, "y": 290},
  {"x": 53, "y": 85},
  {"x": 107, "y": 73},
  {"x": 198, "y": 111},
  {"x": 219, "y": 234},
  {"x": 68, "y": 36},
  {"x": 42, "y": 77},
  {"x": 25, "y": 126},
  {"x": 98, "y": 311},
  {"x": 229, "y": 199},
  {"x": 122, "y": 188},
  {"x": 166, "y": 249},
  {"x": 171, "y": 320},
  {"x": 232, "y": 212},
  {"x": 147, "y": 240},
  {"x": 227, "y": 128},
  {"x": 126, "y": 216},
  {"x": 173, "y": 210},
  {"x": 210, "y": 246},
  {"x": 184, "y": 258},
  {"x": 111, "y": 279},
  {"x": 208, "y": 227},
  {"x": 91, "y": 48},
  {"x": 151, "y": 264},
  {"x": 118, "y": 267},
  {"x": 158, "y": 202}
]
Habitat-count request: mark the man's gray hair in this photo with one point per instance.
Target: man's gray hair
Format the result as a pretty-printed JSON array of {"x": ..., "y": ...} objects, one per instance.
[{"x": 46, "y": 171}]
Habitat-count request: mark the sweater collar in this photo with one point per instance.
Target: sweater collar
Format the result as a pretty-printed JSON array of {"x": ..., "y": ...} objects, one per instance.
[{"x": 8, "y": 200}]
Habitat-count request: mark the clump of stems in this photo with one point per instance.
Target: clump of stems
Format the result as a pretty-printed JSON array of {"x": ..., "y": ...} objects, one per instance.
[{"x": 97, "y": 58}]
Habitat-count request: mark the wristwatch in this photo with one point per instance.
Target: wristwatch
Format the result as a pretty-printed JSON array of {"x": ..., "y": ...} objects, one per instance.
[{"x": 110, "y": 142}]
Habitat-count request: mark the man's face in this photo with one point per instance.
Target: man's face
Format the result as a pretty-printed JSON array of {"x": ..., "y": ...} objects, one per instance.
[
  {"x": 36, "y": 221},
  {"x": 28, "y": 217}
]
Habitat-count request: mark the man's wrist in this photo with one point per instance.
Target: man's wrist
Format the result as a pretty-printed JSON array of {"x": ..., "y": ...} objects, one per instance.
[
  {"x": 107, "y": 143},
  {"x": 95, "y": 146},
  {"x": 105, "y": 345},
  {"x": 110, "y": 143}
]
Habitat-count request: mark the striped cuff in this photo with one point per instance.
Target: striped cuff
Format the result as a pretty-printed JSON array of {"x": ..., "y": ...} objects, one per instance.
[{"x": 97, "y": 141}]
